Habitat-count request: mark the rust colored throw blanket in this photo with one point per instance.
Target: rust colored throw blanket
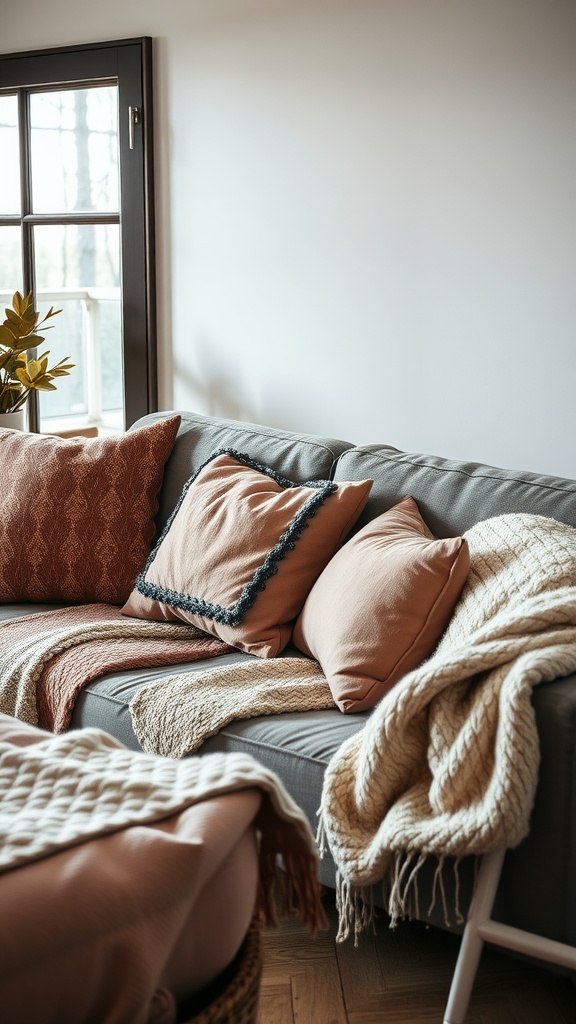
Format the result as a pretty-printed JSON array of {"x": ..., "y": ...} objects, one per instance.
[{"x": 46, "y": 658}]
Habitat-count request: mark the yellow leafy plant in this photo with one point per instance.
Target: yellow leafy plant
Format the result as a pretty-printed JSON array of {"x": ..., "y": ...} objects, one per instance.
[{"x": 20, "y": 374}]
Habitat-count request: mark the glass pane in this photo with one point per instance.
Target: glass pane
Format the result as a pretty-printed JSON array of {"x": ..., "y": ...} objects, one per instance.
[
  {"x": 64, "y": 338},
  {"x": 10, "y": 161},
  {"x": 78, "y": 271},
  {"x": 74, "y": 150},
  {"x": 112, "y": 372},
  {"x": 10, "y": 260},
  {"x": 77, "y": 256}
]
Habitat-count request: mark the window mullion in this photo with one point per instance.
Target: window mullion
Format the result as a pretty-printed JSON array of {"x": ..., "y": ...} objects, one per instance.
[{"x": 28, "y": 276}]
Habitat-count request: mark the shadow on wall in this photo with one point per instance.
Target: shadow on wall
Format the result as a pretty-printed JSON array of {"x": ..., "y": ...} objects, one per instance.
[
  {"x": 217, "y": 380},
  {"x": 213, "y": 387}
]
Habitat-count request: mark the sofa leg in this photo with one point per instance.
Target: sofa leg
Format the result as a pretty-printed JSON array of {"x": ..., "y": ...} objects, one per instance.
[{"x": 472, "y": 942}]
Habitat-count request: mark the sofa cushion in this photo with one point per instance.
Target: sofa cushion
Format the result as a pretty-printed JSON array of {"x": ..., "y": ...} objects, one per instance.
[
  {"x": 452, "y": 495},
  {"x": 77, "y": 514},
  {"x": 381, "y": 604},
  {"x": 242, "y": 549}
]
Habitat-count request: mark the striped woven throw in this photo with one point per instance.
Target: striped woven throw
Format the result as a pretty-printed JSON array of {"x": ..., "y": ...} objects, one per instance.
[{"x": 46, "y": 658}]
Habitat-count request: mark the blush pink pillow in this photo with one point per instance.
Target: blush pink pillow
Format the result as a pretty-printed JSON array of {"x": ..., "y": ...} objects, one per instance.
[
  {"x": 242, "y": 549},
  {"x": 381, "y": 605}
]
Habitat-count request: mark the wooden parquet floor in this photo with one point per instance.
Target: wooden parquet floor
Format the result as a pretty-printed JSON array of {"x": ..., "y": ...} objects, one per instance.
[{"x": 398, "y": 977}]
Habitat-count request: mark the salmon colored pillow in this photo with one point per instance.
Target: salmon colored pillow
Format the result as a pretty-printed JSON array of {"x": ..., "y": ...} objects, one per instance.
[
  {"x": 77, "y": 514},
  {"x": 242, "y": 549},
  {"x": 381, "y": 605}
]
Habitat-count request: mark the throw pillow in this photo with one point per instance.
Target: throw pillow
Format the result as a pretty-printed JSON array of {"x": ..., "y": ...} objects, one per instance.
[
  {"x": 77, "y": 514},
  {"x": 381, "y": 605},
  {"x": 242, "y": 549}
]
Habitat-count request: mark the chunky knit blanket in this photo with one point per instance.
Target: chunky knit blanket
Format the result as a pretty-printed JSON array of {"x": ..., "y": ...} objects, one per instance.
[
  {"x": 447, "y": 763},
  {"x": 65, "y": 790},
  {"x": 46, "y": 658}
]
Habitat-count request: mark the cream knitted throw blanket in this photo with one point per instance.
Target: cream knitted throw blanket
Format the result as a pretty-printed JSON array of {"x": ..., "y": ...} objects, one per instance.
[
  {"x": 173, "y": 715},
  {"x": 447, "y": 763}
]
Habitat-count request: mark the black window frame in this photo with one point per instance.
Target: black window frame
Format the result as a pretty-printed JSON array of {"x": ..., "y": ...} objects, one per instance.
[{"x": 128, "y": 62}]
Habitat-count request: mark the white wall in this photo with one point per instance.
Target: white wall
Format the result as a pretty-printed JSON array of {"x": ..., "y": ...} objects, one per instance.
[{"x": 366, "y": 213}]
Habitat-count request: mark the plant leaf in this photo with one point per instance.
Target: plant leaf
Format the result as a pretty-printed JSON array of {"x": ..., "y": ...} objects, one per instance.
[
  {"x": 9, "y": 397},
  {"x": 12, "y": 328},
  {"x": 62, "y": 369},
  {"x": 22, "y": 303},
  {"x": 20, "y": 326},
  {"x": 13, "y": 363},
  {"x": 23, "y": 377},
  {"x": 6, "y": 336},
  {"x": 23, "y": 344},
  {"x": 35, "y": 368},
  {"x": 51, "y": 312}
]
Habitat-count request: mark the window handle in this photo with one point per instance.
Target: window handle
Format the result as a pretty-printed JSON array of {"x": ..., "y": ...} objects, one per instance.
[{"x": 134, "y": 118}]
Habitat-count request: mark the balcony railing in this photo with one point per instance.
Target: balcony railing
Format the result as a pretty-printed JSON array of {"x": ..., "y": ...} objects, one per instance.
[{"x": 91, "y": 395}]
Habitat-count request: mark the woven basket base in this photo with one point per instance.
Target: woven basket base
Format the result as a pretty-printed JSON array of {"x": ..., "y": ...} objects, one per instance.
[{"x": 232, "y": 998}]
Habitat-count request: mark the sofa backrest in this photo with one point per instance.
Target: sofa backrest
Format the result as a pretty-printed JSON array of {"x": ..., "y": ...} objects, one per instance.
[
  {"x": 452, "y": 496},
  {"x": 299, "y": 457}
]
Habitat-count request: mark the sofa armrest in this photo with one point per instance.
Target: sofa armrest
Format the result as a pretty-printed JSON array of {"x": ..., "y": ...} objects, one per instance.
[{"x": 538, "y": 886}]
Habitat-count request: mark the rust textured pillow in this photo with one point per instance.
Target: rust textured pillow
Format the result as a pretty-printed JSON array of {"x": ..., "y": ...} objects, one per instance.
[
  {"x": 381, "y": 605},
  {"x": 242, "y": 549},
  {"x": 77, "y": 515}
]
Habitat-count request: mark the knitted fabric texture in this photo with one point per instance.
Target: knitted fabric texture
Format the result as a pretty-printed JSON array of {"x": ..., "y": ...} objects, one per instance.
[
  {"x": 68, "y": 789},
  {"x": 447, "y": 764},
  {"x": 46, "y": 659},
  {"x": 175, "y": 714}
]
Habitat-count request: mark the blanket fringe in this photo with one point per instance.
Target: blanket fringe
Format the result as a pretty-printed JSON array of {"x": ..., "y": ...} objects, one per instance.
[
  {"x": 321, "y": 841},
  {"x": 438, "y": 882},
  {"x": 459, "y": 916},
  {"x": 288, "y": 881},
  {"x": 355, "y": 906},
  {"x": 404, "y": 864}
]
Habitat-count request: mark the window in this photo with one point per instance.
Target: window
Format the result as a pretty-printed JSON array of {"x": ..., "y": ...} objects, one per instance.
[{"x": 77, "y": 222}]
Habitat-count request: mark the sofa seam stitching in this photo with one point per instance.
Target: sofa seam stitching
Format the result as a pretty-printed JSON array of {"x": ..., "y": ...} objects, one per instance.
[
  {"x": 284, "y": 435},
  {"x": 461, "y": 472}
]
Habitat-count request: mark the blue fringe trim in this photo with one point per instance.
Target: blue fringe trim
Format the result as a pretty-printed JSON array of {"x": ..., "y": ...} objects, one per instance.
[{"x": 233, "y": 616}]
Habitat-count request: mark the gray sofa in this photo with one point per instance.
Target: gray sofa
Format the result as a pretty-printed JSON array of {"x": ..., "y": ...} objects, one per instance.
[{"x": 538, "y": 886}]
